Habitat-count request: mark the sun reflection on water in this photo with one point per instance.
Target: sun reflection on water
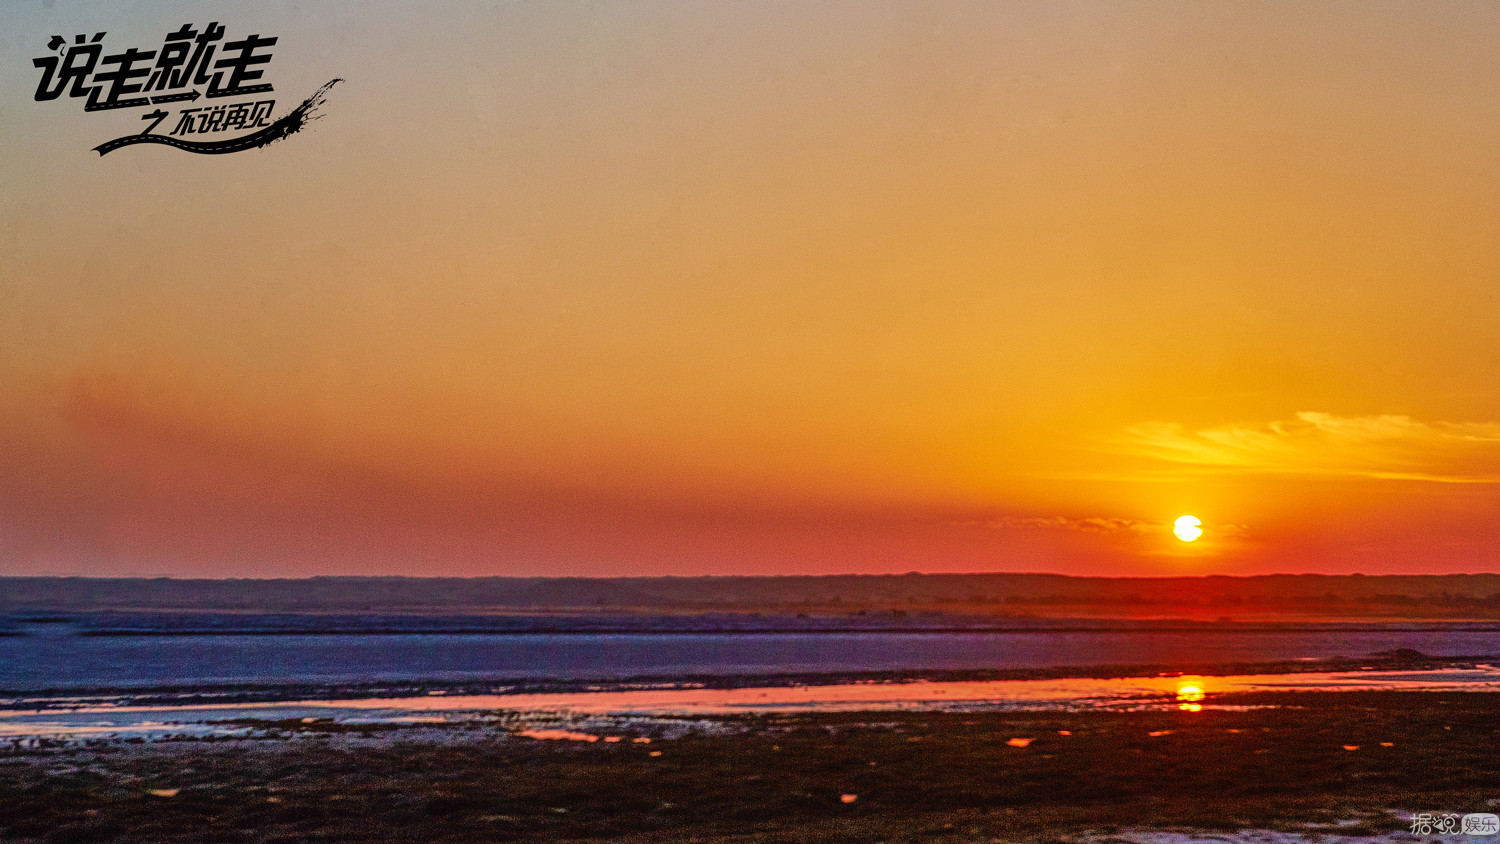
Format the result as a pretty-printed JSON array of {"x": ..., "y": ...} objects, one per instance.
[{"x": 1190, "y": 695}]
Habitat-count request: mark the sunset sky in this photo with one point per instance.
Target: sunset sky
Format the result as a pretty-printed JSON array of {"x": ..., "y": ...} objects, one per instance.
[{"x": 600, "y": 288}]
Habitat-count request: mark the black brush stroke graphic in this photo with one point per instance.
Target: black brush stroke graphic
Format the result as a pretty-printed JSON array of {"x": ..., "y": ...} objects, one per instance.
[{"x": 292, "y": 123}]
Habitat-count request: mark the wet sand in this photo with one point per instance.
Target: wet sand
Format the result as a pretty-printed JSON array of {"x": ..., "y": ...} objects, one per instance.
[{"x": 1350, "y": 763}]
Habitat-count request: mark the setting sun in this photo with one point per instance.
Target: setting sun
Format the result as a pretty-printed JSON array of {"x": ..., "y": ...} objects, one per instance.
[{"x": 1186, "y": 528}]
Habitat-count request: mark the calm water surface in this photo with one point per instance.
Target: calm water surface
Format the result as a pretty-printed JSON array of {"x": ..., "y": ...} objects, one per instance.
[{"x": 51, "y": 657}]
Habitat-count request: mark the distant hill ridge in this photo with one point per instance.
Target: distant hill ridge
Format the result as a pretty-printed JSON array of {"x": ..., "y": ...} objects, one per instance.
[{"x": 1470, "y": 595}]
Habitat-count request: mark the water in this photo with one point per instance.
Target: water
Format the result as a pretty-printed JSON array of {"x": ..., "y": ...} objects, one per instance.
[
  {"x": 54, "y": 657},
  {"x": 73, "y": 720}
]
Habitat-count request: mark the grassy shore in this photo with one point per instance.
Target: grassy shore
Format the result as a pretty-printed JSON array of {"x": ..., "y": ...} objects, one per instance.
[{"x": 807, "y": 778}]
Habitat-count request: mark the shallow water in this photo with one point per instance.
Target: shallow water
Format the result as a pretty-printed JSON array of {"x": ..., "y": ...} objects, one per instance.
[
  {"x": 54, "y": 658},
  {"x": 1188, "y": 693}
]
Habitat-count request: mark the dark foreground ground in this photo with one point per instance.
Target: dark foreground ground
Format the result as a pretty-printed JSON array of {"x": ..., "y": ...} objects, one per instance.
[{"x": 914, "y": 777}]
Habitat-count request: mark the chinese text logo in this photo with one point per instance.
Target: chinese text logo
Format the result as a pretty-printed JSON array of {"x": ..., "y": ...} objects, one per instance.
[{"x": 191, "y": 63}]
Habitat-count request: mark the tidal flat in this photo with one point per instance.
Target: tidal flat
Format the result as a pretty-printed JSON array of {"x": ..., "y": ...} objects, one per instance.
[{"x": 1345, "y": 765}]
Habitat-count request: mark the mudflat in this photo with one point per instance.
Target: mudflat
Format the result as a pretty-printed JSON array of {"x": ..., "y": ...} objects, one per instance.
[{"x": 1346, "y": 763}]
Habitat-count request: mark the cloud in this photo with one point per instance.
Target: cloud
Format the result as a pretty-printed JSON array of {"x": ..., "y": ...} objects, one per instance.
[
  {"x": 1098, "y": 525},
  {"x": 1114, "y": 525},
  {"x": 1314, "y": 443},
  {"x": 1087, "y": 524}
]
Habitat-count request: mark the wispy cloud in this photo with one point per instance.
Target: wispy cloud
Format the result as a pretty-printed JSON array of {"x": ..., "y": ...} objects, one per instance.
[
  {"x": 1313, "y": 443},
  {"x": 1092, "y": 524},
  {"x": 1087, "y": 524}
]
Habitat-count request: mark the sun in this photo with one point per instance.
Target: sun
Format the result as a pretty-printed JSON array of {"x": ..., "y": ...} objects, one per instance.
[{"x": 1186, "y": 528}]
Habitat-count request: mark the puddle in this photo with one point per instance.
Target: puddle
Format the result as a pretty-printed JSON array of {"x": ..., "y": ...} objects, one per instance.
[{"x": 558, "y": 735}]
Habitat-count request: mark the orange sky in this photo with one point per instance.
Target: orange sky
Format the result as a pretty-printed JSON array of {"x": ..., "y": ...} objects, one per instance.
[{"x": 677, "y": 288}]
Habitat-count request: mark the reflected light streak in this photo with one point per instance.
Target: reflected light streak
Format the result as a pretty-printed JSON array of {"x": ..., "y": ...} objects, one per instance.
[{"x": 1190, "y": 695}]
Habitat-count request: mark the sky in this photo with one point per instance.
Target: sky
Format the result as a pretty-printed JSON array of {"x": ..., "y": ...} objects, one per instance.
[{"x": 641, "y": 288}]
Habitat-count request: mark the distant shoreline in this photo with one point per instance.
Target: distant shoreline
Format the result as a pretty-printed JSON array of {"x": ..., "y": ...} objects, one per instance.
[
  {"x": 1003, "y": 599},
  {"x": 208, "y": 622},
  {"x": 801, "y": 631}
]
